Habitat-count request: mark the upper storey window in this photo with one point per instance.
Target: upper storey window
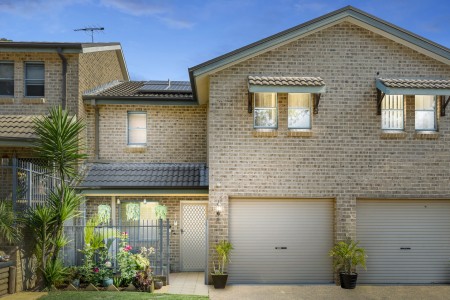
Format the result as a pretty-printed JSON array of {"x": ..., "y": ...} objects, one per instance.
[
  {"x": 34, "y": 79},
  {"x": 6, "y": 79},
  {"x": 392, "y": 113},
  {"x": 137, "y": 128},
  {"x": 425, "y": 113},
  {"x": 266, "y": 111},
  {"x": 299, "y": 111}
]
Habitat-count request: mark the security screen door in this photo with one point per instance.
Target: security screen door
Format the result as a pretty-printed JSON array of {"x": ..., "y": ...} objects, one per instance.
[{"x": 193, "y": 236}]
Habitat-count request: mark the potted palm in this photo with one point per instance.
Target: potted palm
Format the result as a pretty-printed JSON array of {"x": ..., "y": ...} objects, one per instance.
[
  {"x": 219, "y": 276},
  {"x": 347, "y": 256}
]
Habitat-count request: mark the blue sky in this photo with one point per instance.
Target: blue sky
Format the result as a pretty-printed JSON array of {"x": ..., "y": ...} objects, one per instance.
[{"x": 161, "y": 39}]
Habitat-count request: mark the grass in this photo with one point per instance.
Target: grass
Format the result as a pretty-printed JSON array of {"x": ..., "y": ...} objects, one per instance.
[{"x": 66, "y": 295}]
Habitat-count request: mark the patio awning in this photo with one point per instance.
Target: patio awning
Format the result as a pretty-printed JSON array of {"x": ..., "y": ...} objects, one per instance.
[
  {"x": 401, "y": 86},
  {"x": 148, "y": 178},
  {"x": 17, "y": 130},
  {"x": 288, "y": 84}
]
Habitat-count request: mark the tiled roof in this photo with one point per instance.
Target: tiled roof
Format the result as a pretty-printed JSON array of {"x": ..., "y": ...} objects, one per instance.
[
  {"x": 16, "y": 127},
  {"x": 131, "y": 89},
  {"x": 145, "y": 175},
  {"x": 285, "y": 81},
  {"x": 416, "y": 83}
]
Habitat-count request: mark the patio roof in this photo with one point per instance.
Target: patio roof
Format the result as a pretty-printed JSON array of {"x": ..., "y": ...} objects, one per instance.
[{"x": 16, "y": 130}]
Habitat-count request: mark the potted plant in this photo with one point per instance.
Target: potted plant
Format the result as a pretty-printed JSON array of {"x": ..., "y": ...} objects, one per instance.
[
  {"x": 347, "y": 256},
  {"x": 219, "y": 276}
]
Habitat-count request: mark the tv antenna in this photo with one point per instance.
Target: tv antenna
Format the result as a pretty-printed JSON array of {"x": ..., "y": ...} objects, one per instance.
[{"x": 91, "y": 29}]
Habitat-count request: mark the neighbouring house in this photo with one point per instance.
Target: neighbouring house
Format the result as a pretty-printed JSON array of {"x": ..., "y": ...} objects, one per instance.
[
  {"x": 35, "y": 76},
  {"x": 333, "y": 129}
]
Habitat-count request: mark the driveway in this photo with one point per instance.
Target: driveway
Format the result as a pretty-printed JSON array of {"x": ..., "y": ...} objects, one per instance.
[{"x": 332, "y": 292}]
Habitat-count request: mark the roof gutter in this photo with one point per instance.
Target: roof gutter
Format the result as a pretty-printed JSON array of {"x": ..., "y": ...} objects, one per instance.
[{"x": 64, "y": 78}]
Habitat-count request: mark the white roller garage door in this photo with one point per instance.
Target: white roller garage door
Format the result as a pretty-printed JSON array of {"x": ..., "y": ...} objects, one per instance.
[
  {"x": 407, "y": 241},
  {"x": 281, "y": 241}
]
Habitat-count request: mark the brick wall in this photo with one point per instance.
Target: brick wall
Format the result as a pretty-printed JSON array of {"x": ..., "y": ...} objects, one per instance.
[
  {"x": 347, "y": 155},
  {"x": 173, "y": 214},
  {"x": 22, "y": 105},
  {"x": 174, "y": 134}
]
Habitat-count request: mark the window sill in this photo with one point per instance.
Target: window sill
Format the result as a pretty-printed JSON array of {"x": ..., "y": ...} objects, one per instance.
[
  {"x": 300, "y": 133},
  {"x": 426, "y": 135},
  {"x": 265, "y": 132},
  {"x": 6, "y": 100},
  {"x": 136, "y": 148},
  {"x": 392, "y": 134},
  {"x": 33, "y": 100}
]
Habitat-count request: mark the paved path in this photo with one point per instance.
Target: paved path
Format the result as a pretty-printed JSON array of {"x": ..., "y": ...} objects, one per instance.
[
  {"x": 332, "y": 292},
  {"x": 24, "y": 296}
]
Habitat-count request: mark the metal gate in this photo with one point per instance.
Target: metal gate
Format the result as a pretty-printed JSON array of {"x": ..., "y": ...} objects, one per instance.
[{"x": 193, "y": 236}]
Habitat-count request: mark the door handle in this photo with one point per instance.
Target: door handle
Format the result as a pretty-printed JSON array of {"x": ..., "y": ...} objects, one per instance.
[
  {"x": 280, "y": 248},
  {"x": 405, "y": 248}
]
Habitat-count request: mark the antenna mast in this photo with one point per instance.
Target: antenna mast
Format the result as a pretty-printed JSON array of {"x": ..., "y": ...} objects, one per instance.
[{"x": 91, "y": 29}]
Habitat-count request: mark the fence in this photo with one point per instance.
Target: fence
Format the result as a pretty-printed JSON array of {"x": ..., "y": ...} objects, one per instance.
[
  {"x": 147, "y": 234},
  {"x": 27, "y": 182}
]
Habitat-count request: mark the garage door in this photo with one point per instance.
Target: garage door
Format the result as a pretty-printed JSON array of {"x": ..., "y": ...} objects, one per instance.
[
  {"x": 407, "y": 241},
  {"x": 281, "y": 241}
]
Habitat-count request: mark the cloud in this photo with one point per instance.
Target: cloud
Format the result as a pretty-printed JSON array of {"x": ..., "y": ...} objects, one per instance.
[
  {"x": 176, "y": 23},
  {"x": 27, "y": 8},
  {"x": 137, "y": 7}
]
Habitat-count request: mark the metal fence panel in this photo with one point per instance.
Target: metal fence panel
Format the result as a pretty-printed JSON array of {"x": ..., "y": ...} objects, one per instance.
[{"x": 146, "y": 234}]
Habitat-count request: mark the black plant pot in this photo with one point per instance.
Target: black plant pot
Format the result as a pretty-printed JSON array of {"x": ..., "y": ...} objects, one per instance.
[
  {"x": 348, "y": 281},
  {"x": 219, "y": 280}
]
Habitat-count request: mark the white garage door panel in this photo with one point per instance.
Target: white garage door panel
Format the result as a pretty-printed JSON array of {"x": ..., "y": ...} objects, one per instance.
[
  {"x": 385, "y": 226},
  {"x": 303, "y": 227}
]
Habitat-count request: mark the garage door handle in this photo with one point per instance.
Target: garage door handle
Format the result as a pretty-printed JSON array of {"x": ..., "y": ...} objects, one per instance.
[
  {"x": 405, "y": 248},
  {"x": 280, "y": 248}
]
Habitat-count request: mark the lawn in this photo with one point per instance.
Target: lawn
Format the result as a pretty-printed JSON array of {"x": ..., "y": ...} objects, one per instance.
[{"x": 63, "y": 295}]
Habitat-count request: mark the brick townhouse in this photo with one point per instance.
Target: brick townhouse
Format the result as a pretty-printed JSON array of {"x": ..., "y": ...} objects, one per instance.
[{"x": 333, "y": 129}]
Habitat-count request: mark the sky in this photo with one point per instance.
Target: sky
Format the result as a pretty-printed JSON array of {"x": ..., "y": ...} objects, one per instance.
[{"x": 161, "y": 39}]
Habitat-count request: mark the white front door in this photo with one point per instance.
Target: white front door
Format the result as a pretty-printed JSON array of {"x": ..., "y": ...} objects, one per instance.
[{"x": 193, "y": 236}]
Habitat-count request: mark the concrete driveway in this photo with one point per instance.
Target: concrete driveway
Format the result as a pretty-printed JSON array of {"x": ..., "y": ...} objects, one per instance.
[{"x": 300, "y": 292}]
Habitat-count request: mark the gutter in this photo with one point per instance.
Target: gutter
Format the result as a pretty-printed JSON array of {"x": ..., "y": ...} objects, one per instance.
[{"x": 64, "y": 78}]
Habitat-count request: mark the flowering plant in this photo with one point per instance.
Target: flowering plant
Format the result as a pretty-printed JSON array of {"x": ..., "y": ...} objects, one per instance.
[{"x": 130, "y": 263}]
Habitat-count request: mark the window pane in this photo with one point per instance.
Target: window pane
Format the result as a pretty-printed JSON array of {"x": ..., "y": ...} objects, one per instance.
[
  {"x": 7, "y": 87},
  {"x": 35, "y": 71},
  {"x": 265, "y": 100},
  {"x": 34, "y": 90},
  {"x": 137, "y": 136},
  {"x": 299, "y": 118},
  {"x": 424, "y": 102},
  {"x": 6, "y": 71},
  {"x": 392, "y": 112},
  {"x": 425, "y": 120},
  {"x": 137, "y": 120},
  {"x": 299, "y": 100},
  {"x": 266, "y": 118}
]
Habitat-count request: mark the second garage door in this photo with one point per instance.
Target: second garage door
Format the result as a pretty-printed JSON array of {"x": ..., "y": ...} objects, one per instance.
[
  {"x": 281, "y": 240},
  {"x": 407, "y": 241}
]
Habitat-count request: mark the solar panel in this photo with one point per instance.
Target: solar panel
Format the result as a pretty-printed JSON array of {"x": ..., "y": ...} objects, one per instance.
[{"x": 165, "y": 86}]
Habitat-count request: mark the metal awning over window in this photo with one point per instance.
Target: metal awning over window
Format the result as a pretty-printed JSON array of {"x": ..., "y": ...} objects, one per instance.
[
  {"x": 277, "y": 84},
  {"x": 399, "y": 86}
]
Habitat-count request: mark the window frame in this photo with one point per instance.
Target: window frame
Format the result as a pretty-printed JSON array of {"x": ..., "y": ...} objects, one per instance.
[
  {"x": 303, "y": 108},
  {"x": 27, "y": 80},
  {"x": 130, "y": 113},
  {"x": 8, "y": 79},
  {"x": 255, "y": 108},
  {"x": 402, "y": 109},
  {"x": 426, "y": 110}
]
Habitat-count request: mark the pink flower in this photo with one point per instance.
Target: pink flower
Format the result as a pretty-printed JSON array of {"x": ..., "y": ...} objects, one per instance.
[
  {"x": 127, "y": 248},
  {"x": 96, "y": 270}
]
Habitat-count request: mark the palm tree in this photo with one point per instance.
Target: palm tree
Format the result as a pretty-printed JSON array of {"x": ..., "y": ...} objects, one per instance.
[
  {"x": 58, "y": 143},
  {"x": 8, "y": 231}
]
